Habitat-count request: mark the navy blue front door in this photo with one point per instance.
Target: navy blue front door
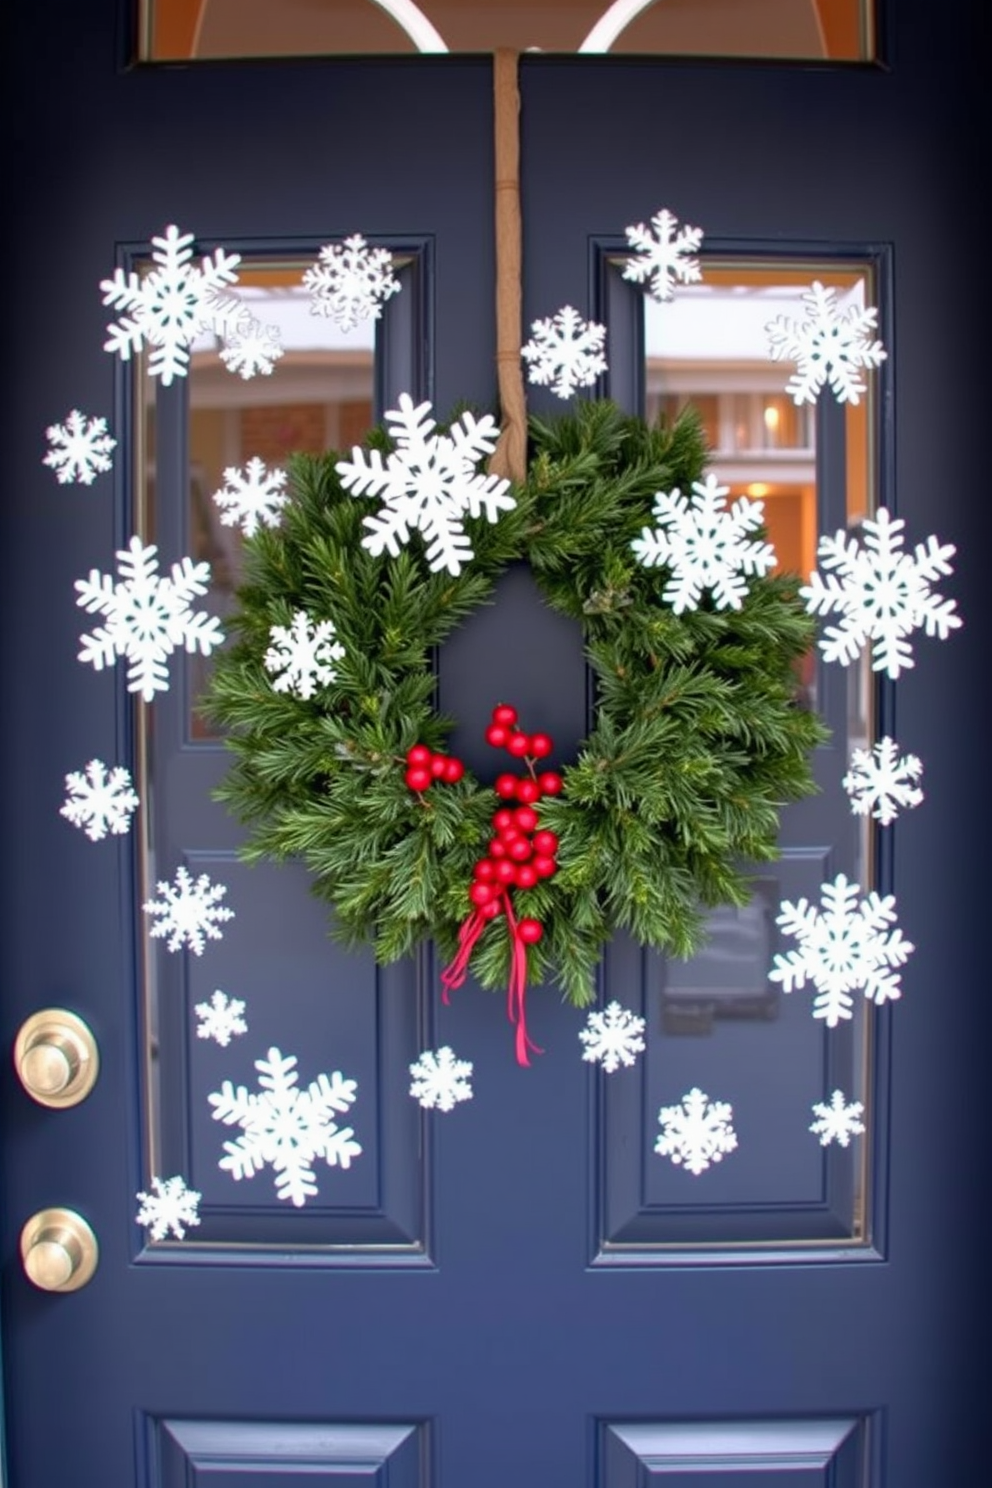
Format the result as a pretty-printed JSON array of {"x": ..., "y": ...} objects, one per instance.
[{"x": 522, "y": 1290}]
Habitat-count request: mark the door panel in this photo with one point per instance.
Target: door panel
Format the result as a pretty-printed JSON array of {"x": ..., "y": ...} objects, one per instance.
[{"x": 520, "y": 1291}]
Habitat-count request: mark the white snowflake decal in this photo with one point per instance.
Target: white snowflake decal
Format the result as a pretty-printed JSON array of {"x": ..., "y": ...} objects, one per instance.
[
  {"x": 613, "y": 1037},
  {"x": 828, "y": 347},
  {"x": 839, "y": 1121},
  {"x": 286, "y": 1127},
  {"x": 305, "y": 655},
  {"x": 881, "y": 593},
  {"x": 148, "y": 616},
  {"x": 565, "y": 352},
  {"x": 99, "y": 800},
  {"x": 172, "y": 304},
  {"x": 705, "y": 545},
  {"x": 665, "y": 255},
  {"x": 441, "y": 1080},
  {"x": 169, "y": 1208},
  {"x": 427, "y": 484},
  {"x": 251, "y": 496},
  {"x": 842, "y": 946},
  {"x": 187, "y": 912},
  {"x": 80, "y": 449},
  {"x": 350, "y": 282},
  {"x": 220, "y": 1019},
  {"x": 252, "y": 348},
  {"x": 879, "y": 781},
  {"x": 697, "y": 1132}
]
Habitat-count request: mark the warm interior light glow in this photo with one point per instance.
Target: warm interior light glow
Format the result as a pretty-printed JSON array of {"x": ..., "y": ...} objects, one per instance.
[
  {"x": 770, "y": 416},
  {"x": 758, "y": 488}
]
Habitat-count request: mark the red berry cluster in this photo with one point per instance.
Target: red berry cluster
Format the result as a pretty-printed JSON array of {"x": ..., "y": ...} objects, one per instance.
[
  {"x": 521, "y": 853},
  {"x": 424, "y": 766}
]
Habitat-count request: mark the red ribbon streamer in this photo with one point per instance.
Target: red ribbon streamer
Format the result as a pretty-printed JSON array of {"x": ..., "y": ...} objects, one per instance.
[{"x": 454, "y": 974}]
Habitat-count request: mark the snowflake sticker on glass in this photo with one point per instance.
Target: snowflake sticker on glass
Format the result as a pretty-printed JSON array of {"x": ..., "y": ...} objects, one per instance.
[
  {"x": 837, "y": 1122},
  {"x": 252, "y": 348},
  {"x": 285, "y": 1127},
  {"x": 303, "y": 655},
  {"x": 251, "y": 497},
  {"x": 705, "y": 545},
  {"x": 428, "y": 484},
  {"x": 440, "y": 1080},
  {"x": 220, "y": 1019},
  {"x": 881, "y": 593},
  {"x": 612, "y": 1037},
  {"x": 172, "y": 304},
  {"x": 99, "y": 800},
  {"x": 664, "y": 255},
  {"x": 350, "y": 282},
  {"x": 565, "y": 352},
  {"x": 188, "y": 912},
  {"x": 170, "y": 1208},
  {"x": 697, "y": 1132},
  {"x": 879, "y": 782},
  {"x": 148, "y": 616},
  {"x": 844, "y": 944},
  {"x": 830, "y": 347},
  {"x": 80, "y": 449}
]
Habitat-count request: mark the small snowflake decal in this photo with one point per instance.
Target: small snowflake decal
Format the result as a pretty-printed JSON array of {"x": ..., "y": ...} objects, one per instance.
[
  {"x": 80, "y": 449},
  {"x": 565, "y": 352},
  {"x": 613, "y": 1037},
  {"x": 842, "y": 946},
  {"x": 880, "y": 782},
  {"x": 99, "y": 800},
  {"x": 705, "y": 545},
  {"x": 440, "y": 1080},
  {"x": 881, "y": 593},
  {"x": 172, "y": 304},
  {"x": 428, "y": 484},
  {"x": 305, "y": 655},
  {"x": 220, "y": 1019},
  {"x": 350, "y": 282},
  {"x": 148, "y": 616},
  {"x": 252, "y": 348},
  {"x": 665, "y": 255},
  {"x": 839, "y": 1121},
  {"x": 828, "y": 347},
  {"x": 697, "y": 1132},
  {"x": 187, "y": 912},
  {"x": 169, "y": 1208},
  {"x": 286, "y": 1127},
  {"x": 251, "y": 496}
]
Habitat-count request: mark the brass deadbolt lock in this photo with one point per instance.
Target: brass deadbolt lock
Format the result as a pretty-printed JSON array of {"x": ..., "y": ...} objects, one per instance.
[{"x": 56, "y": 1057}]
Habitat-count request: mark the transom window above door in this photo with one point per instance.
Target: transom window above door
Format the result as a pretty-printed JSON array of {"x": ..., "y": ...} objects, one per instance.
[{"x": 834, "y": 30}]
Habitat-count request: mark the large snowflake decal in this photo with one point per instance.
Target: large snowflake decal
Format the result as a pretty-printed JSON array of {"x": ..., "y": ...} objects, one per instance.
[
  {"x": 251, "y": 347},
  {"x": 169, "y": 1209},
  {"x": 350, "y": 282},
  {"x": 839, "y": 1121},
  {"x": 565, "y": 352},
  {"x": 251, "y": 496},
  {"x": 188, "y": 912},
  {"x": 304, "y": 654},
  {"x": 881, "y": 593},
  {"x": 697, "y": 1132},
  {"x": 172, "y": 304},
  {"x": 828, "y": 347},
  {"x": 843, "y": 945},
  {"x": 879, "y": 781},
  {"x": 99, "y": 800},
  {"x": 80, "y": 448},
  {"x": 613, "y": 1037},
  {"x": 286, "y": 1127},
  {"x": 440, "y": 1080},
  {"x": 428, "y": 483},
  {"x": 705, "y": 544},
  {"x": 664, "y": 254},
  {"x": 148, "y": 616},
  {"x": 220, "y": 1019}
]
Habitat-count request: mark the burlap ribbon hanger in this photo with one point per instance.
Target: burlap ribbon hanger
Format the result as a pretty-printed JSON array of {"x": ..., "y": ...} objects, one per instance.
[{"x": 510, "y": 455}]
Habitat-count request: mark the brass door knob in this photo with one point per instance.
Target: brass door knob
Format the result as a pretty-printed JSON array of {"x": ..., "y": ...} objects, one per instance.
[
  {"x": 56, "y": 1057},
  {"x": 58, "y": 1250}
]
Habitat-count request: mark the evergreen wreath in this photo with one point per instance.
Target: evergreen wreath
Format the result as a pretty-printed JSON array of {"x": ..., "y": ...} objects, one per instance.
[{"x": 698, "y": 740}]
